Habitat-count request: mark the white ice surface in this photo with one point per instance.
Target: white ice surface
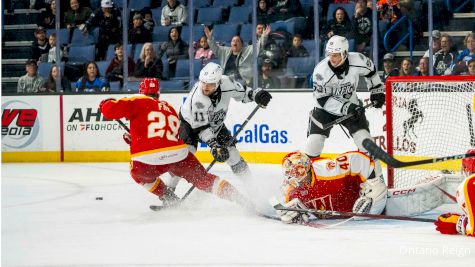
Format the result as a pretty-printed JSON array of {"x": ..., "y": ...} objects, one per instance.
[{"x": 50, "y": 217}]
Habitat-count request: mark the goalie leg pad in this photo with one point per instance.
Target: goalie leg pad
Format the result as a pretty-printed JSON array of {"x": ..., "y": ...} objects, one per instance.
[{"x": 358, "y": 138}]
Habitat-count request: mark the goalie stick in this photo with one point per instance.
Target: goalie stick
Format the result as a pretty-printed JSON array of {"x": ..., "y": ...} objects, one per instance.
[
  {"x": 470, "y": 125},
  {"x": 379, "y": 153},
  {"x": 353, "y": 214},
  {"x": 159, "y": 207},
  {"x": 325, "y": 126}
]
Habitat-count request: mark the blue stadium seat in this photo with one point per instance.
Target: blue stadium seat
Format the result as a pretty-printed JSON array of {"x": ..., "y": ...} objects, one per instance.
[
  {"x": 225, "y": 3},
  {"x": 80, "y": 39},
  {"x": 349, "y": 8},
  {"x": 133, "y": 86},
  {"x": 310, "y": 46},
  {"x": 115, "y": 86},
  {"x": 198, "y": 31},
  {"x": 43, "y": 69},
  {"x": 175, "y": 85},
  {"x": 246, "y": 33},
  {"x": 182, "y": 69},
  {"x": 351, "y": 45},
  {"x": 62, "y": 36},
  {"x": 160, "y": 33},
  {"x": 138, "y": 50},
  {"x": 209, "y": 15},
  {"x": 300, "y": 66},
  {"x": 110, "y": 52},
  {"x": 95, "y": 4},
  {"x": 248, "y": 3},
  {"x": 240, "y": 14},
  {"x": 102, "y": 66},
  {"x": 201, "y": 3},
  {"x": 296, "y": 25},
  {"x": 157, "y": 15},
  {"x": 82, "y": 53},
  {"x": 164, "y": 2},
  {"x": 225, "y": 32},
  {"x": 278, "y": 25},
  {"x": 138, "y": 5}
]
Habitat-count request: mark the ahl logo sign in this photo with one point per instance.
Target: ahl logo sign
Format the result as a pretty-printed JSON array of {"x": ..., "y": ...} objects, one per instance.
[
  {"x": 20, "y": 126},
  {"x": 90, "y": 120}
]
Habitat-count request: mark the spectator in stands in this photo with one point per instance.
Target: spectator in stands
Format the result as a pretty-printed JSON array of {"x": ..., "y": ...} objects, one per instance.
[
  {"x": 138, "y": 34},
  {"x": 269, "y": 47},
  {"x": 52, "y": 51},
  {"x": 264, "y": 12},
  {"x": 445, "y": 57},
  {"x": 50, "y": 85},
  {"x": 174, "y": 13},
  {"x": 109, "y": 21},
  {"x": 91, "y": 81},
  {"x": 76, "y": 17},
  {"x": 406, "y": 67},
  {"x": 466, "y": 55},
  {"x": 148, "y": 22},
  {"x": 286, "y": 9},
  {"x": 266, "y": 80},
  {"x": 174, "y": 49},
  {"x": 389, "y": 67},
  {"x": 41, "y": 46},
  {"x": 149, "y": 65},
  {"x": 423, "y": 67},
  {"x": 297, "y": 49},
  {"x": 435, "y": 44},
  {"x": 236, "y": 60},
  {"x": 362, "y": 25},
  {"x": 31, "y": 82},
  {"x": 470, "y": 67},
  {"x": 115, "y": 70},
  {"x": 339, "y": 25},
  {"x": 48, "y": 17},
  {"x": 203, "y": 51}
]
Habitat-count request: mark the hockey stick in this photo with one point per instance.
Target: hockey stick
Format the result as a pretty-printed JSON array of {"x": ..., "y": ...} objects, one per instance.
[
  {"x": 470, "y": 125},
  {"x": 232, "y": 139},
  {"x": 379, "y": 153},
  {"x": 353, "y": 214},
  {"x": 123, "y": 125},
  {"x": 325, "y": 126}
]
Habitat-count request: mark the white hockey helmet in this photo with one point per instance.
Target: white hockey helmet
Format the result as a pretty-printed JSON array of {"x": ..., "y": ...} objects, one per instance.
[
  {"x": 338, "y": 44},
  {"x": 211, "y": 73},
  {"x": 296, "y": 166}
]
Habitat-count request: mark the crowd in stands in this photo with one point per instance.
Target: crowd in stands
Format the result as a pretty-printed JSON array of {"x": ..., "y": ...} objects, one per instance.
[{"x": 147, "y": 57}]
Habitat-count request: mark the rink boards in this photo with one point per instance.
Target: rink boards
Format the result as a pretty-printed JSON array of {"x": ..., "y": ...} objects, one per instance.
[{"x": 71, "y": 128}]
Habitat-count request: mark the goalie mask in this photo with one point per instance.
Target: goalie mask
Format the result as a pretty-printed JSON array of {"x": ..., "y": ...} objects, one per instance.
[
  {"x": 150, "y": 86},
  {"x": 468, "y": 164},
  {"x": 338, "y": 45},
  {"x": 296, "y": 166}
]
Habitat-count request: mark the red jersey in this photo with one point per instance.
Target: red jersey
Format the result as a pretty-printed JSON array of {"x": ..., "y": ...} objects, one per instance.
[
  {"x": 335, "y": 184},
  {"x": 466, "y": 199},
  {"x": 154, "y": 126}
]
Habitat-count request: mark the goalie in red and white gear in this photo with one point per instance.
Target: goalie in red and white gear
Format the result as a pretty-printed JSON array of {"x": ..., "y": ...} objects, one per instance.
[
  {"x": 156, "y": 148},
  {"x": 346, "y": 184},
  {"x": 453, "y": 223}
]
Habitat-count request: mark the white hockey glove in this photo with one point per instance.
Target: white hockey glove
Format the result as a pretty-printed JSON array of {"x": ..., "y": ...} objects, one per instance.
[
  {"x": 293, "y": 216},
  {"x": 373, "y": 195}
]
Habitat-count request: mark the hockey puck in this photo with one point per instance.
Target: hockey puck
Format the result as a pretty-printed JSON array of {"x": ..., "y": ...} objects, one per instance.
[{"x": 98, "y": 198}]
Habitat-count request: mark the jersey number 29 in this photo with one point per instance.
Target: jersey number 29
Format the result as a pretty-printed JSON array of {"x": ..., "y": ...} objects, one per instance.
[{"x": 158, "y": 122}]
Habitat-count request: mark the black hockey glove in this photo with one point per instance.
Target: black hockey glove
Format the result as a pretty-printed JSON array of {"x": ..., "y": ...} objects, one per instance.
[
  {"x": 355, "y": 109},
  {"x": 262, "y": 97},
  {"x": 219, "y": 152},
  {"x": 378, "y": 99}
]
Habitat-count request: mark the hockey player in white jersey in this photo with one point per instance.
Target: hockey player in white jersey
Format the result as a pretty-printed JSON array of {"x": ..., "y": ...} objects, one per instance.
[
  {"x": 204, "y": 111},
  {"x": 335, "y": 80}
]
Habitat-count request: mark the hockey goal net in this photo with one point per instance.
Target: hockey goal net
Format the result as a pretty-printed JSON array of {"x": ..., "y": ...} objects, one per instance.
[{"x": 428, "y": 117}]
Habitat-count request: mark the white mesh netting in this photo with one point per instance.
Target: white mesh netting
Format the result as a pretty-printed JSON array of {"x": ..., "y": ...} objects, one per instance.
[{"x": 430, "y": 119}]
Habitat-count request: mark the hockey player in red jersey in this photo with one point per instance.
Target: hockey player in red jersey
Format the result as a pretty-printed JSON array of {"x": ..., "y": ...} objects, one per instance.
[
  {"x": 155, "y": 147},
  {"x": 453, "y": 223},
  {"x": 346, "y": 184}
]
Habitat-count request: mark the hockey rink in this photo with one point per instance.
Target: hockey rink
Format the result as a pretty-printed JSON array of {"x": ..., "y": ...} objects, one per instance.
[{"x": 50, "y": 217}]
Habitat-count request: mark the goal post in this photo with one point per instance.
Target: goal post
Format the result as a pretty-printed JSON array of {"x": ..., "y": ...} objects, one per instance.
[{"x": 428, "y": 117}]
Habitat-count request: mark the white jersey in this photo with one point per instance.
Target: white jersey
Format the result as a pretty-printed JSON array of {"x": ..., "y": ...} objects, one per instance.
[
  {"x": 332, "y": 91},
  {"x": 209, "y": 113}
]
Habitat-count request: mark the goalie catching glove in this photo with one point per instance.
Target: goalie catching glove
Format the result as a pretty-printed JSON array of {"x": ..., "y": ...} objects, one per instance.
[
  {"x": 451, "y": 224},
  {"x": 373, "y": 195},
  {"x": 378, "y": 99},
  {"x": 287, "y": 216},
  {"x": 219, "y": 152}
]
